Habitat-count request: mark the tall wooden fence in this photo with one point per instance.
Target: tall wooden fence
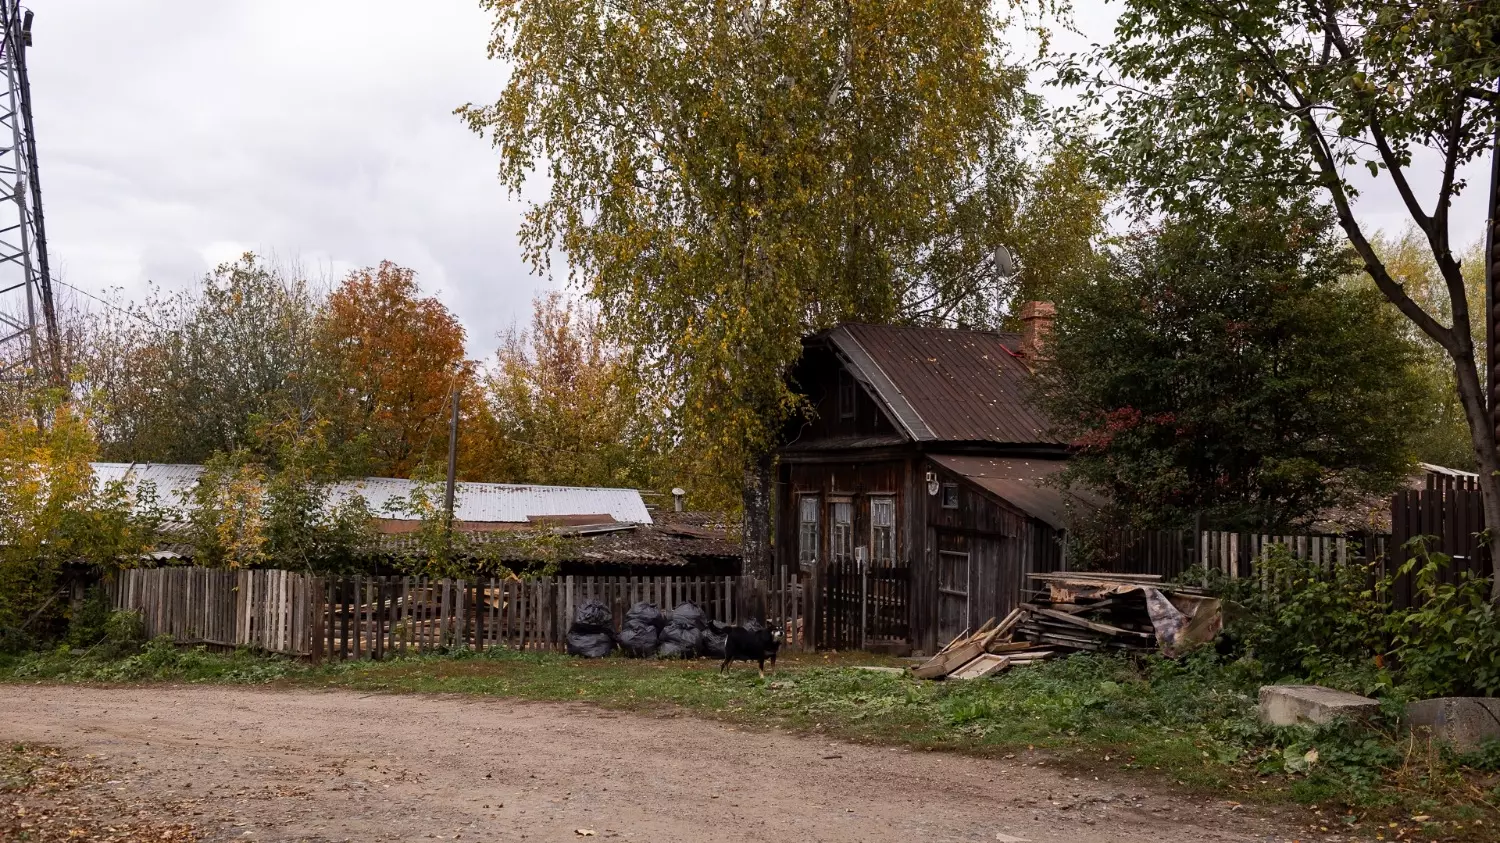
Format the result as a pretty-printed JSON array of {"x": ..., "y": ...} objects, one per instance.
[
  {"x": 1450, "y": 513},
  {"x": 279, "y": 611},
  {"x": 372, "y": 617},
  {"x": 861, "y": 606}
]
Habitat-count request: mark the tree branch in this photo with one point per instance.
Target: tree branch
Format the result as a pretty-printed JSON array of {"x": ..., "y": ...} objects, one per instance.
[{"x": 1392, "y": 289}]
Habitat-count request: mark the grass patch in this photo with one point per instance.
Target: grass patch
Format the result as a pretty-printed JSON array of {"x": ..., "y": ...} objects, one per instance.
[{"x": 1191, "y": 722}]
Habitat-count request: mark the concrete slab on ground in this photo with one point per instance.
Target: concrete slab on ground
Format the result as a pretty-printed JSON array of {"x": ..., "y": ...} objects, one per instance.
[
  {"x": 1463, "y": 722},
  {"x": 1288, "y": 705}
]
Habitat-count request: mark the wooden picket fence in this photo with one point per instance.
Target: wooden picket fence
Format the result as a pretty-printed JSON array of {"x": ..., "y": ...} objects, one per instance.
[
  {"x": 372, "y": 617},
  {"x": 1236, "y": 554},
  {"x": 1171, "y": 553},
  {"x": 269, "y": 610}
]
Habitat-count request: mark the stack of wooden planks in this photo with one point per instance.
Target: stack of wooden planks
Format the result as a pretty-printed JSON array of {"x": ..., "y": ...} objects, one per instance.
[
  {"x": 989, "y": 651},
  {"x": 1076, "y": 611},
  {"x": 1102, "y": 611}
]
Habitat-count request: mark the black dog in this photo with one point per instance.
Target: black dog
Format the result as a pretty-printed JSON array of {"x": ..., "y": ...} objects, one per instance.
[{"x": 753, "y": 644}]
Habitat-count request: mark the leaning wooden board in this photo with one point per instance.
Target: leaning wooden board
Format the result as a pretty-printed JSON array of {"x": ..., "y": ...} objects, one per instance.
[
  {"x": 987, "y": 664},
  {"x": 945, "y": 663}
]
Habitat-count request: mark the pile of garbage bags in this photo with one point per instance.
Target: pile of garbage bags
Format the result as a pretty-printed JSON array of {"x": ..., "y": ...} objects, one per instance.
[
  {"x": 641, "y": 633},
  {"x": 592, "y": 633},
  {"x": 647, "y": 632},
  {"x": 682, "y": 638}
]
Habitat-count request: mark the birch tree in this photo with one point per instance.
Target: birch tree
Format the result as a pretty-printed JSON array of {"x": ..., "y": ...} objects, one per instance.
[{"x": 727, "y": 176}]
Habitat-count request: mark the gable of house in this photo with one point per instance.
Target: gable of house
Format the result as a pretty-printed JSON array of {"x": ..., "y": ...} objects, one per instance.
[{"x": 923, "y": 385}]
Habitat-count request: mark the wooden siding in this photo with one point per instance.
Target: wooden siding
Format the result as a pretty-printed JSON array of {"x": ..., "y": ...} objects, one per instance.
[
  {"x": 817, "y": 377},
  {"x": 834, "y": 457},
  {"x": 1003, "y": 543}
]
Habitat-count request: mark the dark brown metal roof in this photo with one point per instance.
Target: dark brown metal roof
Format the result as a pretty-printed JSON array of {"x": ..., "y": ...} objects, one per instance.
[
  {"x": 944, "y": 384},
  {"x": 1019, "y": 482}
]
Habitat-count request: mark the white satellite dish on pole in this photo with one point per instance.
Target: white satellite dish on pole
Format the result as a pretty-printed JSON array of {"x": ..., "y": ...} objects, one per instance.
[{"x": 1005, "y": 264}]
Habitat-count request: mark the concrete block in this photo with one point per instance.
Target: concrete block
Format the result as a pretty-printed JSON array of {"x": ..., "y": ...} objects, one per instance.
[
  {"x": 1463, "y": 722},
  {"x": 1288, "y": 705}
]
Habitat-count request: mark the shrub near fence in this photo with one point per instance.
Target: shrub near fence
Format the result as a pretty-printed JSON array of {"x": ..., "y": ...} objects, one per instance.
[{"x": 371, "y": 617}]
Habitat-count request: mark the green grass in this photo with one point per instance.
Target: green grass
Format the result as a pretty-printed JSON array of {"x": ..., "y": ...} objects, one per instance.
[{"x": 1191, "y": 723}]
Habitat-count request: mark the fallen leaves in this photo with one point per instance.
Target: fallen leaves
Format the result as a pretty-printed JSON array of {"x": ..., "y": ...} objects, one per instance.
[{"x": 49, "y": 798}]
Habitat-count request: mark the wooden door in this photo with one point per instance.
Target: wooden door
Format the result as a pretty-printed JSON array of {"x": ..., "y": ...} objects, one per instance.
[{"x": 953, "y": 587}]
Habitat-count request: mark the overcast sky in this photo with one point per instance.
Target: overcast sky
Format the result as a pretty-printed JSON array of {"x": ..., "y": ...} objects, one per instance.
[{"x": 176, "y": 134}]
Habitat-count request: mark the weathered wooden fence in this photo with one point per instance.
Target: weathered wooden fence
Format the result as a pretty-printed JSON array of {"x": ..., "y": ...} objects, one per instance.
[
  {"x": 1235, "y": 554},
  {"x": 278, "y": 611},
  {"x": 1450, "y": 513},
  {"x": 861, "y": 606},
  {"x": 1170, "y": 553},
  {"x": 371, "y": 617}
]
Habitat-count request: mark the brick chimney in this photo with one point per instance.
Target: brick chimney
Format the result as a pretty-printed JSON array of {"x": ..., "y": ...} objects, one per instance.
[{"x": 1036, "y": 324}]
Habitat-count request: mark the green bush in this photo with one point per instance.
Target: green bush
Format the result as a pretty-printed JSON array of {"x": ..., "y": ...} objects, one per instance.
[
  {"x": 124, "y": 631},
  {"x": 1448, "y": 643},
  {"x": 86, "y": 628},
  {"x": 1334, "y": 626},
  {"x": 1305, "y": 622}
]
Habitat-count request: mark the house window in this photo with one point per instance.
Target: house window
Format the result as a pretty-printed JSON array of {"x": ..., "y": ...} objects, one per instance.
[
  {"x": 950, "y": 496},
  {"x": 807, "y": 532},
  {"x": 882, "y": 532},
  {"x": 846, "y": 396},
  {"x": 841, "y": 548}
]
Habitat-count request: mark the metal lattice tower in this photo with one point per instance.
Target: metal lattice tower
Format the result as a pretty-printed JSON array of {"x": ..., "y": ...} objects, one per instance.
[{"x": 28, "y": 320}]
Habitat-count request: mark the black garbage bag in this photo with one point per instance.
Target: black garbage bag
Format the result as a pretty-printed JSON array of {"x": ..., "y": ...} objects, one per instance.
[
  {"x": 646, "y": 613},
  {"x": 711, "y": 642},
  {"x": 641, "y": 633},
  {"x": 639, "y": 639},
  {"x": 590, "y": 645},
  {"x": 591, "y": 634},
  {"x": 682, "y": 636},
  {"x": 680, "y": 642},
  {"x": 689, "y": 615},
  {"x": 593, "y": 614}
]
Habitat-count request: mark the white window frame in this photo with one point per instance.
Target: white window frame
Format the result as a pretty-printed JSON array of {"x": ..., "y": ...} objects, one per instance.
[
  {"x": 886, "y": 559},
  {"x": 809, "y": 531},
  {"x": 840, "y": 533}
]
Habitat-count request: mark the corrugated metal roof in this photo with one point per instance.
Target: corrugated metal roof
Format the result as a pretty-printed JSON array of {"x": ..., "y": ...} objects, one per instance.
[
  {"x": 1019, "y": 482},
  {"x": 499, "y": 502},
  {"x": 173, "y": 482},
  {"x": 473, "y": 502},
  {"x": 946, "y": 384}
]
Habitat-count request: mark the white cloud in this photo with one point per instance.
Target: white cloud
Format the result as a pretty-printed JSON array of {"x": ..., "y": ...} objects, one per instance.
[{"x": 174, "y": 134}]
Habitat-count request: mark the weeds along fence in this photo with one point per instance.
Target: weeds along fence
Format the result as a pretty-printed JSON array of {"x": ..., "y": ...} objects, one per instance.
[{"x": 372, "y": 617}]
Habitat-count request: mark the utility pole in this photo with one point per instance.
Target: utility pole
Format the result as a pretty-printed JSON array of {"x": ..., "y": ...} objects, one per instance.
[
  {"x": 452, "y": 460},
  {"x": 1491, "y": 281}
]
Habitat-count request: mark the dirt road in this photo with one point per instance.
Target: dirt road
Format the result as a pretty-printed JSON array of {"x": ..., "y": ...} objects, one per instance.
[{"x": 283, "y": 765}]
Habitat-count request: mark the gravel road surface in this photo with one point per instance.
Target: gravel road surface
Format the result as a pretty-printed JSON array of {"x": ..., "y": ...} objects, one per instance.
[{"x": 247, "y": 764}]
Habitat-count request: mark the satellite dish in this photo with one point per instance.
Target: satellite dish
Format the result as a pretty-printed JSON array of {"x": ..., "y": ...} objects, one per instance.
[{"x": 1005, "y": 265}]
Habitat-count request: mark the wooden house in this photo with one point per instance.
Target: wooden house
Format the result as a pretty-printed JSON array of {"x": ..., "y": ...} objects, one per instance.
[{"x": 924, "y": 460}]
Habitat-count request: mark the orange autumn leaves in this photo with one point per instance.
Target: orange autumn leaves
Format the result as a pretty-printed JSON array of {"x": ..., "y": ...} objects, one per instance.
[{"x": 396, "y": 357}]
